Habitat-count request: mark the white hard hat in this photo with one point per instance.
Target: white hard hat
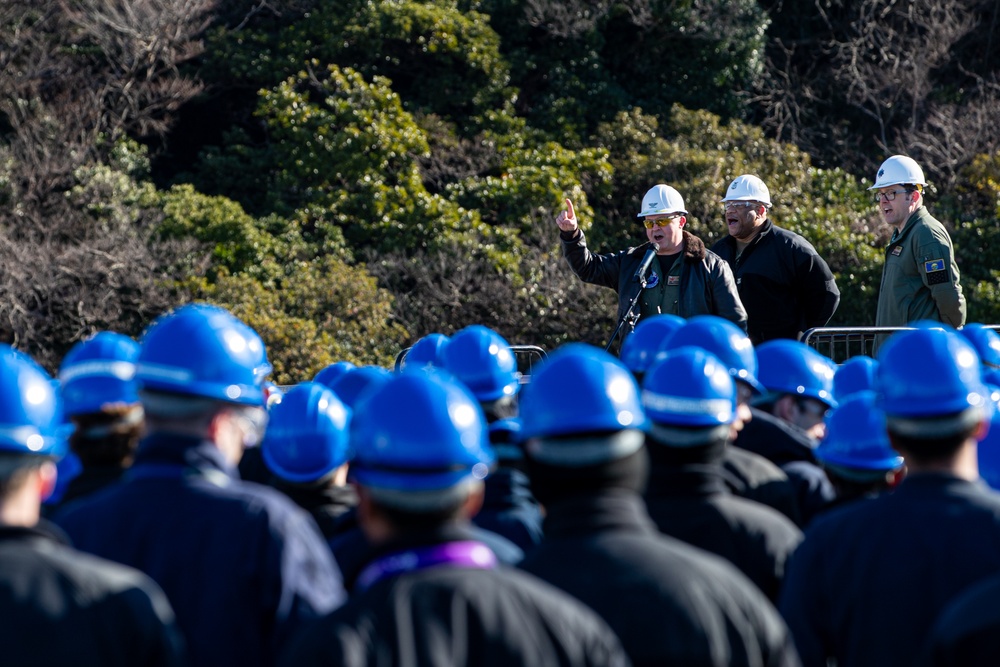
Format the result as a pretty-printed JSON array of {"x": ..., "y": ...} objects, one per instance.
[
  {"x": 662, "y": 199},
  {"x": 898, "y": 170},
  {"x": 748, "y": 188}
]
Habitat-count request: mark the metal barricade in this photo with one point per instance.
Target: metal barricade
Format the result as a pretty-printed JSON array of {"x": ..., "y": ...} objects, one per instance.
[
  {"x": 527, "y": 356},
  {"x": 842, "y": 343}
]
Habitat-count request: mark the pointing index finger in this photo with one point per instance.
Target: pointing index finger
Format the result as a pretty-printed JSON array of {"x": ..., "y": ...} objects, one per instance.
[{"x": 569, "y": 209}]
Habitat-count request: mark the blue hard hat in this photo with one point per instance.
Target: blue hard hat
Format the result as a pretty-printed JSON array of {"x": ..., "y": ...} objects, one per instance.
[
  {"x": 331, "y": 373},
  {"x": 689, "y": 387},
  {"x": 484, "y": 362},
  {"x": 854, "y": 375},
  {"x": 580, "y": 389},
  {"x": 428, "y": 351},
  {"x": 202, "y": 350},
  {"x": 419, "y": 432},
  {"x": 930, "y": 373},
  {"x": 725, "y": 340},
  {"x": 351, "y": 385},
  {"x": 640, "y": 348},
  {"x": 985, "y": 340},
  {"x": 791, "y": 367},
  {"x": 31, "y": 413},
  {"x": 988, "y": 450},
  {"x": 98, "y": 371},
  {"x": 307, "y": 434},
  {"x": 856, "y": 436}
]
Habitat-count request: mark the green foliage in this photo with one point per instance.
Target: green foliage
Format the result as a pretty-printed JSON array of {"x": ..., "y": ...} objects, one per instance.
[
  {"x": 439, "y": 59},
  {"x": 322, "y": 311}
]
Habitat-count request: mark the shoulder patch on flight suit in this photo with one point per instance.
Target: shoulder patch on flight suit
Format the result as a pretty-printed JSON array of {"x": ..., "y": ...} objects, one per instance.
[{"x": 935, "y": 270}]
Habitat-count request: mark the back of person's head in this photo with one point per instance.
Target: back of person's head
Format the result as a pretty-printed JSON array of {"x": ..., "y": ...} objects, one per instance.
[
  {"x": 32, "y": 430},
  {"x": 583, "y": 425},
  {"x": 856, "y": 450},
  {"x": 427, "y": 351},
  {"x": 788, "y": 367},
  {"x": 421, "y": 449},
  {"x": 690, "y": 398},
  {"x": 100, "y": 395},
  {"x": 640, "y": 347},
  {"x": 196, "y": 361},
  {"x": 854, "y": 375},
  {"x": 307, "y": 435},
  {"x": 485, "y": 363},
  {"x": 330, "y": 373},
  {"x": 986, "y": 341},
  {"x": 726, "y": 341},
  {"x": 932, "y": 391},
  {"x": 350, "y": 386}
]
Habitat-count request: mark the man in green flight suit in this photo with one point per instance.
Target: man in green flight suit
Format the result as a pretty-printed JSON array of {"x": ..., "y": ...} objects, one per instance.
[{"x": 920, "y": 279}]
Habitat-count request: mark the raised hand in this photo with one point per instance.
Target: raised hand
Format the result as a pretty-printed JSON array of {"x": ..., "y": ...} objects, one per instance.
[{"x": 567, "y": 219}]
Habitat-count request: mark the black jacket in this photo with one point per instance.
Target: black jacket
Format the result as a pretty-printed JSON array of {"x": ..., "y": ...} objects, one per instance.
[
  {"x": 327, "y": 504},
  {"x": 752, "y": 476},
  {"x": 967, "y": 633},
  {"x": 868, "y": 581},
  {"x": 692, "y": 503},
  {"x": 791, "y": 449},
  {"x": 707, "y": 286},
  {"x": 63, "y": 607},
  {"x": 670, "y": 603},
  {"x": 785, "y": 286},
  {"x": 242, "y": 566},
  {"x": 509, "y": 509},
  {"x": 451, "y": 616}
]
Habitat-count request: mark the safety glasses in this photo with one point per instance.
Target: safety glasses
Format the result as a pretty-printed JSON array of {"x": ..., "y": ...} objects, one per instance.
[{"x": 659, "y": 222}]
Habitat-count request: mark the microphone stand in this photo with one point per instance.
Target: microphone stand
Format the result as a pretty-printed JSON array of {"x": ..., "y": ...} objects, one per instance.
[{"x": 628, "y": 316}]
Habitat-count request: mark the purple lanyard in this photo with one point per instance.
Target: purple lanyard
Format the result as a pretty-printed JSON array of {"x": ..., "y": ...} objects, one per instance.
[{"x": 467, "y": 554}]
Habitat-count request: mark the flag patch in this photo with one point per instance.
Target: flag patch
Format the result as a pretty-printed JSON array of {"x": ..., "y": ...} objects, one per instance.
[{"x": 934, "y": 265}]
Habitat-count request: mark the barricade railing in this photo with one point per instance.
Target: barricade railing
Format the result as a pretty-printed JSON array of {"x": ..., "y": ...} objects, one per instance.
[
  {"x": 842, "y": 343},
  {"x": 527, "y": 356}
]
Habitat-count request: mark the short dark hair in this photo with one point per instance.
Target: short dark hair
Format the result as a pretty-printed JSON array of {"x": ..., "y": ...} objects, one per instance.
[
  {"x": 14, "y": 470},
  {"x": 929, "y": 450}
]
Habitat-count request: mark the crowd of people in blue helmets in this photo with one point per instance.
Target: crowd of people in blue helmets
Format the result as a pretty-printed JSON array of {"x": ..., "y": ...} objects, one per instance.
[
  {"x": 695, "y": 500},
  {"x": 718, "y": 493}
]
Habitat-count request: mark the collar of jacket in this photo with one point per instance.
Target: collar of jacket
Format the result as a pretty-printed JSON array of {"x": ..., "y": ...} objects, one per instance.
[
  {"x": 939, "y": 484},
  {"x": 507, "y": 488},
  {"x": 686, "y": 481},
  {"x": 911, "y": 222},
  {"x": 762, "y": 235},
  {"x": 190, "y": 455},
  {"x": 43, "y": 530},
  {"x": 311, "y": 497},
  {"x": 598, "y": 512},
  {"x": 694, "y": 248},
  {"x": 452, "y": 531}
]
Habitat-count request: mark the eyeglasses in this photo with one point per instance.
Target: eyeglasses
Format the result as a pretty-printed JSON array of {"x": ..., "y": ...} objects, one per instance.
[
  {"x": 812, "y": 408},
  {"x": 726, "y": 205},
  {"x": 888, "y": 196},
  {"x": 659, "y": 222}
]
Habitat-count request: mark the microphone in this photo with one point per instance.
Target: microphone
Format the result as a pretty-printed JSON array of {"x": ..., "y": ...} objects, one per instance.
[{"x": 640, "y": 273}]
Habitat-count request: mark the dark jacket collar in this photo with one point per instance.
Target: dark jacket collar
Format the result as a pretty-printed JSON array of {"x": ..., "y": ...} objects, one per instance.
[
  {"x": 601, "y": 511},
  {"x": 43, "y": 530},
  {"x": 190, "y": 455},
  {"x": 686, "y": 481},
  {"x": 775, "y": 439}
]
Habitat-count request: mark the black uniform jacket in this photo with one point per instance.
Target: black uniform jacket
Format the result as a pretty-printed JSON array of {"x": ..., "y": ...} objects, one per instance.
[
  {"x": 790, "y": 448},
  {"x": 451, "y": 616},
  {"x": 785, "y": 286},
  {"x": 692, "y": 503},
  {"x": 707, "y": 286},
  {"x": 242, "y": 565},
  {"x": 670, "y": 603},
  {"x": 967, "y": 633},
  {"x": 509, "y": 508},
  {"x": 868, "y": 581},
  {"x": 327, "y": 505},
  {"x": 752, "y": 476},
  {"x": 63, "y": 607}
]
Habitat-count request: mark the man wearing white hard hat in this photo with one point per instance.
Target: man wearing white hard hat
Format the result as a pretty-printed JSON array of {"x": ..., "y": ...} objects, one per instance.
[
  {"x": 785, "y": 285},
  {"x": 684, "y": 278},
  {"x": 920, "y": 279}
]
